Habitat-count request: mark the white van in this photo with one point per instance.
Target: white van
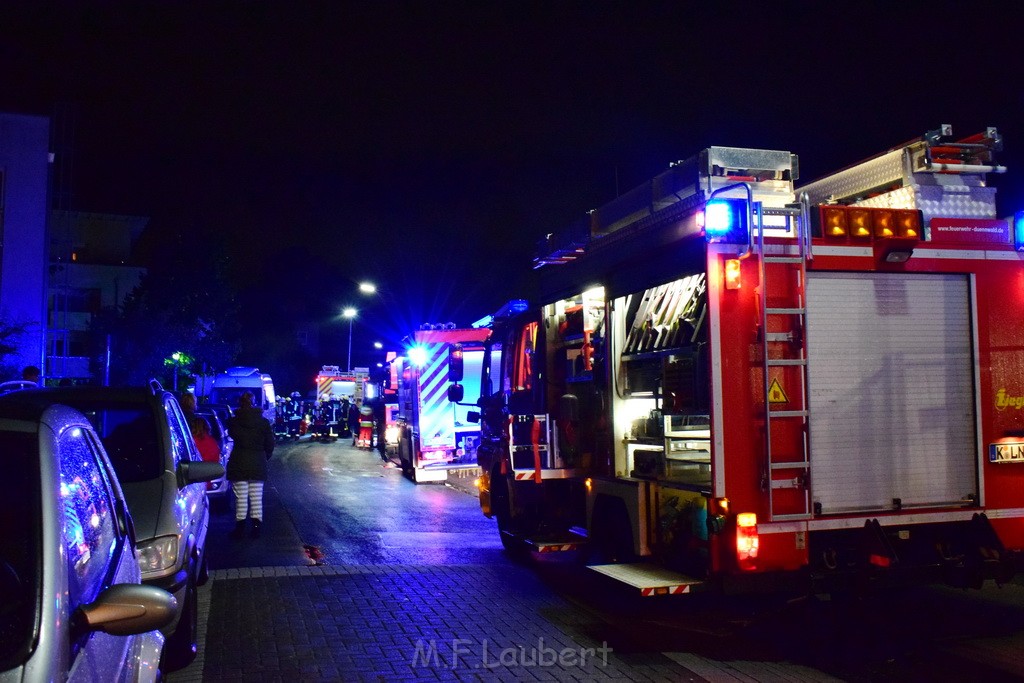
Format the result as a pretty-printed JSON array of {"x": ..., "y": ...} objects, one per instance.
[{"x": 230, "y": 384}]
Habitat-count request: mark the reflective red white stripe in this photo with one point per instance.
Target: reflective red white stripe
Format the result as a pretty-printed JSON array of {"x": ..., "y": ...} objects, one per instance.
[
  {"x": 558, "y": 548},
  {"x": 665, "y": 590}
]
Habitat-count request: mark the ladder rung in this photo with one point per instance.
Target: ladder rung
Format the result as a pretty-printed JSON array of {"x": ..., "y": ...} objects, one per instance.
[
  {"x": 794, "y": 483},
  {"x": 787, "y": 361},
  {"x": 792, "y": 517},
  {"x": 780, "y": 210},
  {"x": 787, "y": 413},
  {"x": 796, "y": 464},
  {"x": 783, "y": 259},
  {"x": 784, "y": 311},
  {"x": 779, "y": 336}
]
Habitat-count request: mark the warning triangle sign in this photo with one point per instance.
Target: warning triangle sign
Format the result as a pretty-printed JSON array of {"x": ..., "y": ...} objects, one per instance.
[{"x": 776, "y": 394}]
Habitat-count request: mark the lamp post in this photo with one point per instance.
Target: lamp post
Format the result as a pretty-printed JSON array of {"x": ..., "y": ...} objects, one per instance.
[
  {"x": 176, "y": 357},
  {"x": 349, "y": 313}
]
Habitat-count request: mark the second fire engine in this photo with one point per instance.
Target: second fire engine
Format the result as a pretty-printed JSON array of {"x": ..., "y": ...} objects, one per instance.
[{"x": 435, "y": 435}]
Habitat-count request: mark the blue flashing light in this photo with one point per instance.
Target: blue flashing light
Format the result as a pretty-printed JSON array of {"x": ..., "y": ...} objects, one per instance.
[
  {"x": 418, "y": 356},
  {"x": 1018, "y": 230},
  {"x": 725, "y": 220},
  {"x": 718, "y": 219}
]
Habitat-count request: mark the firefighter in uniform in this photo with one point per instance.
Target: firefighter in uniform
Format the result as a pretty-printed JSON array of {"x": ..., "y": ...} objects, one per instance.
[{"x": 365, "y": 425}]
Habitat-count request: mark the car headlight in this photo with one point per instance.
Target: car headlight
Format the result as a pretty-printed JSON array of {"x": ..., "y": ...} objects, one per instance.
[{"x": 158, "y": 554}]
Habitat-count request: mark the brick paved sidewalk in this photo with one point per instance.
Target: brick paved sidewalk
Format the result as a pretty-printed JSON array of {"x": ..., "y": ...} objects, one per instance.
[
  {"x": 402, "y": 623},
  {"x": 376, "y": 623}
]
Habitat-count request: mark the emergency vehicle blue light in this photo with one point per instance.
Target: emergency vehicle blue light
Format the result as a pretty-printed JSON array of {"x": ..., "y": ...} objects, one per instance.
[
  {"x": 1018, "y": 230},
  {"x": 725, "y": 220},
  {"x": 418, "y": 356},
  {"x": 717, "y": 218}
]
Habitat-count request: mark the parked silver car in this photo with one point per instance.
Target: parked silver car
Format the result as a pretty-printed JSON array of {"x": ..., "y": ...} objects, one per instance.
[
  {"x": 71, "y": 603},
  {"x": 218, "y": 488},
  {"x": 164, "y": 479}
]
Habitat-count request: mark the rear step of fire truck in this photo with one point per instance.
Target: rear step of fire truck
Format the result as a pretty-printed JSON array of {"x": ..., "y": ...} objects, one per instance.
[
  {"x": 558, "y": 542},
  {"x": 650, "y": 579}
]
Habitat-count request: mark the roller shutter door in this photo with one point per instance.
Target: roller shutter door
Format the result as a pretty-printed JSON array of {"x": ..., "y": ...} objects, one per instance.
[{"x": 891, "y": 391}]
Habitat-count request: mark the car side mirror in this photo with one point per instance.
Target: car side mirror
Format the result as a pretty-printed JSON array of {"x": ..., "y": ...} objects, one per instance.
[
  {"x": 195, "y": 471},
  {"x": 569, "y": 407},
  {"x": 455, "y": 363},
  {"x": 456, "y": 393},
  {"x": 126, "y": 609}
]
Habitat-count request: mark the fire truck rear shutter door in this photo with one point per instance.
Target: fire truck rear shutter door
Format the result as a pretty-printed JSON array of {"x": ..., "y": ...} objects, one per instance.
[{"x": 890, "y": 372}]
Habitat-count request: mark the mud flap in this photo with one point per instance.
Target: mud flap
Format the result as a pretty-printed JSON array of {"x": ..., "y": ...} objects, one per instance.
[
  {"x": 962, "y": 554},
  {"x": 989, "y": 559}
]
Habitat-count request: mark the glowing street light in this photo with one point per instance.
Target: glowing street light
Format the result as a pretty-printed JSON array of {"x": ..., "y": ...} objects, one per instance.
[
  {"x": 176, "y": 357},
  {"x": 349, "y": 313},
  {"x": 367, "y": 288}
]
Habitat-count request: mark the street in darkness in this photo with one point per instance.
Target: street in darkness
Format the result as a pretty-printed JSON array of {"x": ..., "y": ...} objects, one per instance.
[{"x": 361, "y": 575}]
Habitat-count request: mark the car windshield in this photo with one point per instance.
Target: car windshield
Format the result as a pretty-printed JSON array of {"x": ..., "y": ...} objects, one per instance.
[
  {"x": 229, "y": 395},
  {"x": 21, "y": 524},
  {"x": 129, "y": 434}
]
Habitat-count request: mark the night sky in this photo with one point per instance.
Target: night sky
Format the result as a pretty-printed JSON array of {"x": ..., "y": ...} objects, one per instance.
[{"x": 428, "y": 146}]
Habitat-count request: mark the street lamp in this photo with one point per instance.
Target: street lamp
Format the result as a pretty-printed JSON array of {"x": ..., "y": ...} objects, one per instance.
[
  {"x": 349, "y": 313},
  {"x": 367, "y": 288},
  {"x": 176, "y": 357}
]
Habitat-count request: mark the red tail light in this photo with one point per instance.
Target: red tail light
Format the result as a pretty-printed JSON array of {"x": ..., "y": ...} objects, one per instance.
[{"x": 746, "y": 540}]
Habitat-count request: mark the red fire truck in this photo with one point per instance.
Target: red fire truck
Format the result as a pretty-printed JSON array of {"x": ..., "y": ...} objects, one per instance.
[{"x": 727, "y": 382}]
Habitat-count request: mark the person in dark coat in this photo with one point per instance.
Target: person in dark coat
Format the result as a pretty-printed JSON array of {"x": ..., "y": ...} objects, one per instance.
[
  {"x": 353, "y": 420},
  {"x": 343, "y": 413},
  {"x": 379, "y": 426},
  {"x": 247, "y": 467}
]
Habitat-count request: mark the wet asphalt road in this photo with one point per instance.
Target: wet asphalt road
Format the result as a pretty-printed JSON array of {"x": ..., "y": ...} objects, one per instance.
[{"x": 335, "y": 509}]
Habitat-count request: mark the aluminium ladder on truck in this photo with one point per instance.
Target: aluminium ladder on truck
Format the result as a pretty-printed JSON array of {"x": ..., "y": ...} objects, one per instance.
[{"x": 783, "y": 325}]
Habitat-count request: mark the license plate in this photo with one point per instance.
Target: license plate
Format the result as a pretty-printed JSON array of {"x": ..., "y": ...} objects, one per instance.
[{"x": 1006, "y": 452}]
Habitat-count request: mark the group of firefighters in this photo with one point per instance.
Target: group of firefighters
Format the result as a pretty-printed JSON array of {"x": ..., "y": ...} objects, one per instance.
[{"x": 330, "y": 419}]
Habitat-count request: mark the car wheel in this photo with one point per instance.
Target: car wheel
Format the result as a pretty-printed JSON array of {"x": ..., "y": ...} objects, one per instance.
[
  {"x": 180, "y": 647},
  {"x": 513, "y": 530}
]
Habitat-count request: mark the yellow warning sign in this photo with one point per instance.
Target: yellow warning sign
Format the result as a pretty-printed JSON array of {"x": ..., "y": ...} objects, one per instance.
[{"x": 776, "y": 394}]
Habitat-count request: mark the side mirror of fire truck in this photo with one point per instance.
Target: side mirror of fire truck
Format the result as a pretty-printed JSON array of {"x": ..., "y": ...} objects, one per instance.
[
  {"x": 455, "y": 364},
  {"x": 569, "y": 407},
  {"x": 456, "y": 392},
  {"x": 473, "y": 416}
]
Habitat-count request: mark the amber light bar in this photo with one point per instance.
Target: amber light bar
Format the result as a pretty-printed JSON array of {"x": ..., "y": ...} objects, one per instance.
[{"x": 864, "y": 224}]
